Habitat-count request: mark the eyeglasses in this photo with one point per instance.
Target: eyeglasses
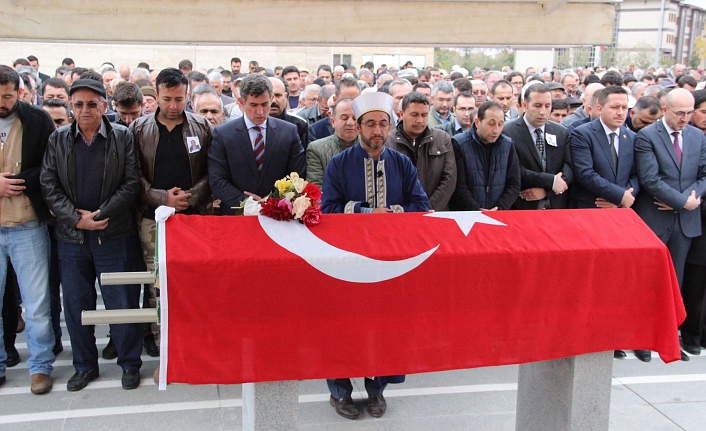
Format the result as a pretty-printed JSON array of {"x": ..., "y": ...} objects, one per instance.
[
  {"x": 90, "y": 105},
  {"x": 312, "y": 99},
  {"x": 681, "y": 114},
  {"x": 372, "y": 125},
  {"x": 479, "y": 92}
]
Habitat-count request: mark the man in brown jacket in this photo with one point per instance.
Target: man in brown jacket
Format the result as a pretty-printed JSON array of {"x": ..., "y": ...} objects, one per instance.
[
  {"x": 172, "y": 147},
  {"x": 429, "y": 149}
]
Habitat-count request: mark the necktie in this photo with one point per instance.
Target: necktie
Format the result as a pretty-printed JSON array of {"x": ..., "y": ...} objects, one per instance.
[
  {"x": 613, "y": 151},
  {"x": 676, "y": 146},
  {"x": 541, "y": 147},
  {"x": 259, "y": 148}
]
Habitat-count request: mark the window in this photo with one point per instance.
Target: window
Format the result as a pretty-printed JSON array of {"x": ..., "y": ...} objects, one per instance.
[{"x": 342, "y": 59}]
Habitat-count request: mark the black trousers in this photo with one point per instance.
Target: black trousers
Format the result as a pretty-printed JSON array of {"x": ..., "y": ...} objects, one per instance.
[
  {"x": 9, "y": 309},
  {"x": 692, "y": 293}
]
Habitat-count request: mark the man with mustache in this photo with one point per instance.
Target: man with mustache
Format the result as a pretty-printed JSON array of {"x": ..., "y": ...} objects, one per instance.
[
  {"x": 370, "y": 178},
  {"x": 279, "y": 106},
  {"x": 543, "y": 149}
]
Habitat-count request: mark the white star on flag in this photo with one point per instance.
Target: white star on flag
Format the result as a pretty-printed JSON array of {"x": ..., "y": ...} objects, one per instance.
[{"x": 466, "y": 219}]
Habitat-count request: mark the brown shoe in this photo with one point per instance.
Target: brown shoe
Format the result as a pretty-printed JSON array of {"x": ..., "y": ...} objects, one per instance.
[
  {"x": 41, "y": 384},
  {"x": 376, "y": 405},
  {"x": 156, "y": 374},
  {"x": 345, "y": 407}
]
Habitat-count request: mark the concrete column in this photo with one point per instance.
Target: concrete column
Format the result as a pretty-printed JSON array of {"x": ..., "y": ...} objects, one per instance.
[
  {"x": 271, "y": 406},
  {"x": 570, "y": 394}
]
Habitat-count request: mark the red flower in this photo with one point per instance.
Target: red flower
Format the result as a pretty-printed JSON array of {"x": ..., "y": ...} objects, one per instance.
[
  {"x": 271, "y": 208},
  {"x": 312, "y": 216},
  {"x": 313, "y": 192}
]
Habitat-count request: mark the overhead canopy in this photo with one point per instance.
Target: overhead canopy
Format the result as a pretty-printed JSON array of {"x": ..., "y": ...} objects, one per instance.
[{"x": 313, "y": 22}]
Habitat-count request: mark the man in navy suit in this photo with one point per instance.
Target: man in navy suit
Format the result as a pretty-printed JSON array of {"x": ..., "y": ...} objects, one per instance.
[
  {"x": 671, "y": 167},
  {"x": 543, "y": 149},
  {"x": 602, "y": 153},
  {"x": 249, "y": 154}
]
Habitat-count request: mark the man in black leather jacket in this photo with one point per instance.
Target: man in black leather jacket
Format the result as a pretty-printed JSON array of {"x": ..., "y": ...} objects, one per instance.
[{"x": 90, "y": 181}]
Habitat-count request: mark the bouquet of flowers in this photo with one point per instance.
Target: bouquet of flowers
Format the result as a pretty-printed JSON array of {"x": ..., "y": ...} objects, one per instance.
[{"x": 293, "y": 199}]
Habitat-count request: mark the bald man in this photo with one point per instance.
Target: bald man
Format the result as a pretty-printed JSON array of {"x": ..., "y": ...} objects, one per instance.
[
  {"x": 671, "y": 166},
  {"x": 583, "y": 113}
]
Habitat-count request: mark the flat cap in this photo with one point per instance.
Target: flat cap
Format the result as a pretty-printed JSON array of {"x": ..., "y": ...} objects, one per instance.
[{"x": 88, "y": 84}]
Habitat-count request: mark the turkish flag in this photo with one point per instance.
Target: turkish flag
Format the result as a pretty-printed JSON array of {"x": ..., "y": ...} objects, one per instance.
[{"x": 250, "y": 299}]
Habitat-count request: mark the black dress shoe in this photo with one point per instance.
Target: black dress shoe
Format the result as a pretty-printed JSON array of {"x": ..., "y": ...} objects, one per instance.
[
  {"x": 80, "y": 379},
  {"x": 3, "y": 379},
  {"x": 345, "y": 407},
  {"x": 691, "y": 349},
  {"x": 58, "y": 347},
  {"x": 110, "y": 352},
  {"x": 131, "y": 379},
  {"x": 13, "y": 357},
  {"x": 150, "y": 346},
  {"x": 376, "y": 405},
  {"x": 684, "y": 357},
  {"x": 618, "y": 354},
  {"x": 643, "y": 355}
]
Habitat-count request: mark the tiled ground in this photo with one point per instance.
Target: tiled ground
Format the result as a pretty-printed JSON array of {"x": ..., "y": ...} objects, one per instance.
[{"x": 480, "y": 399}]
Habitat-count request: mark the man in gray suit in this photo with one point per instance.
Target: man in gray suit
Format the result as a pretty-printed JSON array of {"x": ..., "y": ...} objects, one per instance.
[
  {"x": 671, "y": 166},
  {"x": 249, "y": 154}
]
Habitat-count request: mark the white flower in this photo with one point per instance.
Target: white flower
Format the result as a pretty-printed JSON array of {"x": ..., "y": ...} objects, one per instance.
[
  {"x": 301, "y": 204},
  {"x": 289, "y": 196},
  {"x": 299, "y": 184},
  {"x": 252, "y": 207}
]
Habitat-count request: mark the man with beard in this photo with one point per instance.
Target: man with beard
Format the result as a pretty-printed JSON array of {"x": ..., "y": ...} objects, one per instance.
[
  {"x": 646, "y": 111},
  {"x": 320, "y": 152},
  {"x": 395, "y": 189},
  {"x": 24, "y": 131},
  {"x": 278, "y": 109}
]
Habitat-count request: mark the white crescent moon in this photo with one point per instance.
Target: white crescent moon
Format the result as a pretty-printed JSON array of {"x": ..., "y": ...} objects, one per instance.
[{"x": 334, "y": 262}]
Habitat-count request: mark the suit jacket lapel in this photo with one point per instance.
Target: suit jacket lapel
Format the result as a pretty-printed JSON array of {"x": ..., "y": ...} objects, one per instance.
[
  {"x": 244, "y": 145},
  {"x": 669, "y": 143},
  {"x": 604, "y": 143},
  {"x": 527, "y": 137}
]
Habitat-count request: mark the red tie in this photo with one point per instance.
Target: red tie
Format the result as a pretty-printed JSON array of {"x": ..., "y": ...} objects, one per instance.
[
  {"x": 259, "y": 148},
  {"x": 676, "y": 146}
]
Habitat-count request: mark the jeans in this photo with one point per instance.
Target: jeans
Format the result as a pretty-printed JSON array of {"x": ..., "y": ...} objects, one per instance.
[
  {"x": 27, "y": 247},
  {"x": 80, "y": 265},
  {"x": 343, "y": 388}
]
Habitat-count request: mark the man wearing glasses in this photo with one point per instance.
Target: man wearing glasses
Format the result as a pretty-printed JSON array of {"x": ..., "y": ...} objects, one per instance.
[
  {"x": 90, "y": 181},
  {"x": 370, "y": 178},
  {"x": 671, "y": 166}
]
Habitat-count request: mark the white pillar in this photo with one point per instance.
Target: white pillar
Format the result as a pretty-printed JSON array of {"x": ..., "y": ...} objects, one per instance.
[
  {"x": 271, "y": 406},
  {"x": 570, "y": 394}
]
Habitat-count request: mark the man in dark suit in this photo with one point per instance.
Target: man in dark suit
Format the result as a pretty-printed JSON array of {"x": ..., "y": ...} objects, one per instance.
[
  {"x": 671, "y": 167},
  {"x": 249, "y": 154},
  {"x": 543, "y": 149},
  {"x": 602, "y": 153}
]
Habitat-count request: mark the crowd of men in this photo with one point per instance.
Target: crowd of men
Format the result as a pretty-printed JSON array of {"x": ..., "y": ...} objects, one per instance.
[{"x": 88, "y": 156}]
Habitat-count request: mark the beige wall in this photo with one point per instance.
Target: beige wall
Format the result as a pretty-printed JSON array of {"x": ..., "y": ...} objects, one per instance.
[{"x": 160, "y": 56}]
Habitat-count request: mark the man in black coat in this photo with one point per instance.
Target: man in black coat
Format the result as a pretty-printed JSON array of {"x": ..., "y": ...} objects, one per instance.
[{"x": 543, "y": 149}]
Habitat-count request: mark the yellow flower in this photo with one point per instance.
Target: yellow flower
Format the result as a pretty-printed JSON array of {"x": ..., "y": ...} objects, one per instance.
[{"x": 283, "y": 186}]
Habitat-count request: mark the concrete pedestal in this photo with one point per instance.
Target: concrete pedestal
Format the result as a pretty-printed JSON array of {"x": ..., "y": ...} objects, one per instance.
[
  {"x": 570, "y": 394},
  {"x": 271, "y": 406}
]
